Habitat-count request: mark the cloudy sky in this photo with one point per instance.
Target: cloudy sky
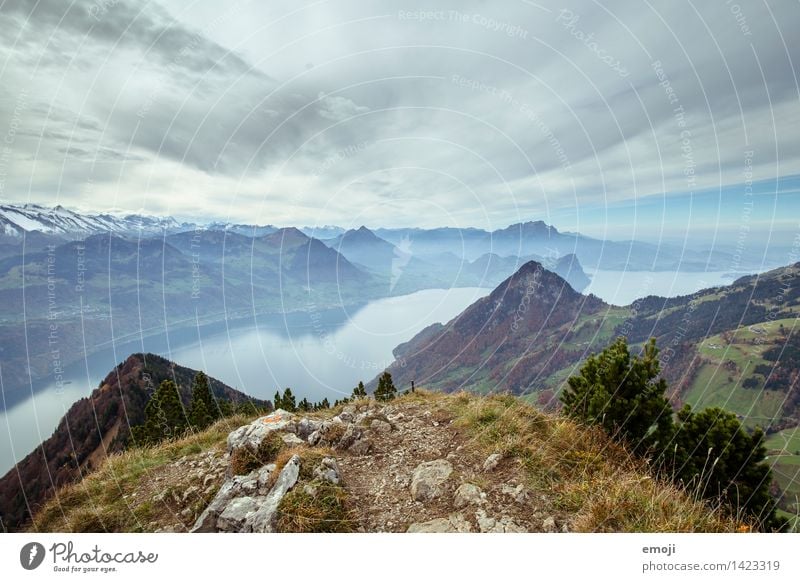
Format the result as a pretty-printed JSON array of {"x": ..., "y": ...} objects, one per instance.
[{"x": 461, "y": 113}]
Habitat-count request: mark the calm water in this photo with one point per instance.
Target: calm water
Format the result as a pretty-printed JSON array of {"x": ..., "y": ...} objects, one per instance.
[
  {"x": 317, "y": 354},
  {"x": 624, "y": 287}
]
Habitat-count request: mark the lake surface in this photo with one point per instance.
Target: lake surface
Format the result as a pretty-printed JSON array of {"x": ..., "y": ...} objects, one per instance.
[
  {"x": 319, "y": 354},
  {"x": 624, "y": 287}
]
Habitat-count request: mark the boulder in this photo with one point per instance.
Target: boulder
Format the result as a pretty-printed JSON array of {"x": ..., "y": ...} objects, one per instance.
[
  {"x": 262, "y": 520},
  {"x": 305, "y": 426},
  {"x": 468, "y": 494},
  {"x": 233, "y": 518},
  {"x": 328, "y": 470},
  {"x": 292, "y": 439},
  {"x": 252, "y": 434},
  {"x": 428, "y": 479},
  {"x": 455, "y": 523}
]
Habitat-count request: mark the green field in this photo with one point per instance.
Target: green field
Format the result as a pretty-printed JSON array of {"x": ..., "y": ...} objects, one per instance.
[{"x": 783, "y": 450}]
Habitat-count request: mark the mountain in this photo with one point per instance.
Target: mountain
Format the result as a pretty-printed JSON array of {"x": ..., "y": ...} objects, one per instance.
[
  {"x": 543, "y": 240},
  {"x": 505, "y": 341},
  {"x": 108, "y": 287},
  {"x": 736, "y": 347},
  {"x": 93, "y": 428},
  {"x": 25, "y": 218},
  {"x": 569, "y": 268},
  {"x": 423, "y": 463}
]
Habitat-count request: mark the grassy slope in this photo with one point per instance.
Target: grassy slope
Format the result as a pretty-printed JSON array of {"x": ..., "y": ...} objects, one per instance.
[{"x": 589, "y": 476}]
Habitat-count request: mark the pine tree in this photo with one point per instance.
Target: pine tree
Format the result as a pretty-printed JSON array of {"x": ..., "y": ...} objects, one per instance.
[
  {"x": 324, "y": 404},
  {"x": 164, "y": 416},
  {"x": 624, "y": 396},
  {"x": 386, "y": 389},
  {"x": 304, "y": 405},
  {"x": 714, "y": 456},
  {"x": 277, "y": 401},
  {"x": 288, "y": 402},
  {"x": 203, "y": 407},
  {"x": 359, "y": 391}
]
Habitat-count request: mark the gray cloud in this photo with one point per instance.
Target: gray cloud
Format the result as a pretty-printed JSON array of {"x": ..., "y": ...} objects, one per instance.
[{"x": 468, "y": 113}]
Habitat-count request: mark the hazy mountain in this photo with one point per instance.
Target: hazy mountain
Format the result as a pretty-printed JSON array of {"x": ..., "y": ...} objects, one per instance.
[
  {"x": 93, "y": 428},
  {"x": 540, "y": 239}
]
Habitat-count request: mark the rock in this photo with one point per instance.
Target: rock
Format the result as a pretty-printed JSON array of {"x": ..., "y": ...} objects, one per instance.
[
  {"x": 351, "y": 435},
  {"x": 305, "y": 426},
  {"x": 187, "y": 513},
  {"x": 395, "y": 418},
  {"x": 491, "y": 525},
  {"x": 455, "y": 523},
  {"x": 518, "y": 493},
  {"x": 380, "y": 426},
  {"x": 233, "y": 518},
  {"x": 237, "y": 486},
  {"x": 492, "y": 461},
  {"x": 262, "y": 520},
  {"x": 314, "y": 438},
  {"x": 549, "y": 525},
  {"x": 252, "y": 434},
  {"x": 328, "y": 470},
  {"x": 565, "y": 528},
  {"x": 428, "y": 479},
  {"x": 346, "y": 416},
  {"x": 292, "y": 439},
  {"x": 262, "y": 478},
  {"x": 468, "y": 494}
]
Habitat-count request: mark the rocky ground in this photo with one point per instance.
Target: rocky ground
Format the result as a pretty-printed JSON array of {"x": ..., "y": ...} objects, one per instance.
[{"x": 403, "y": 467}]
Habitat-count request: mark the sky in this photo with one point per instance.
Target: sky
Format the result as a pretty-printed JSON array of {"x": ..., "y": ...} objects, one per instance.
[{"x": 385, "y": 113}]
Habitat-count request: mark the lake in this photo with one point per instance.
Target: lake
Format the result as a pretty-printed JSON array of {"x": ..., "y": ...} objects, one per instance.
[
  {"x": 319, "y": 354},
  {"x": 624, "y": 287}
]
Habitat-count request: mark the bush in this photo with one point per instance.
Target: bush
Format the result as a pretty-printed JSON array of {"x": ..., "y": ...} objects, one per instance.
[{"x": 623, "y": 395}]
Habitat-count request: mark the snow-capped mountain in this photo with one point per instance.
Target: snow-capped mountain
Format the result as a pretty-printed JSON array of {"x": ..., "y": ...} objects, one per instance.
[{"x": 18, "y": 219}]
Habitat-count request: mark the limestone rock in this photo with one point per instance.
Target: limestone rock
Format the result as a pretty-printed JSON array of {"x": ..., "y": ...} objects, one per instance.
[
  {"x": 468, "y": 494},
  {"x": 233, "y": 518},
  {"x": 262, "y": 520},
  {"x": 328, "y": 470},
  {"x": 455, "y": 523},
  {"x": 549, "y": 525},
  {"x": 252, "y": 434},
  {"x": 292, "y": 439},
  {"x": 428, "y": 479}
]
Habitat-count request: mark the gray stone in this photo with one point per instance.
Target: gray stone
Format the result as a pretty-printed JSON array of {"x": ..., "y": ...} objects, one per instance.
[
  {"x": 233, "y": 518},
  {"x": 351, "y": 435},
  {"x": 549, "y": 525},
  {"x": 505, "y": 524},
  {"x": 252, "y": 434},
  {"x": 428, "y": 479},
  {"x": 314, "y": 438},
  {"x": 262, "y": 520},
  {"x": 328, "y": 470},
  {"x": 292, "y": 439},
  {"x": 455, "y": 523},
  {"x": 361, "y": 447},
  {"x": 346, "y": 416},
  {"x": 492, "y": 461},
  {"x": 379, "y": 425},
  {"x": 518, "y": 493},
  {"x": 468, "y": 494},
  {"x": 305, "y": 426}
]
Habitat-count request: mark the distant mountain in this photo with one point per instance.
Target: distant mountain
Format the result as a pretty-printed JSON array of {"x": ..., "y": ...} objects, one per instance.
[
  {"x": 542, "y": 240},
  {"x": 25, "y": 218},
  {"x": 93, "y": 428},
  {"x": 108, "y": 287}
]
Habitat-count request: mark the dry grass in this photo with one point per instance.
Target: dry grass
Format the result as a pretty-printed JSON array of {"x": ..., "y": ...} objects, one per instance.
[
  {"x": 590, "y": 477},
  {"x": 248, "y": 458},
  {"x": 320, "y": 508},
  {"x": 118, "y": 495}
]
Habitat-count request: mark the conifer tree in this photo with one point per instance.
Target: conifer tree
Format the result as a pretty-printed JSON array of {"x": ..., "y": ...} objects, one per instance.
[
  {"x": 288, "y": 402},
  {"x": 359, "y": 391},
  {"x": 277, "y": 401},
  {"x": 164, "y": 415},
  {"x": 624, "y": 395},
  {"x": 203, "y": 407},
  {"x": 386, "y": 390}
]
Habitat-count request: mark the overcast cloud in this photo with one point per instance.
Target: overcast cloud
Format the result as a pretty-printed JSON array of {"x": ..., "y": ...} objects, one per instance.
[{"x": 352, "y": 112}]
